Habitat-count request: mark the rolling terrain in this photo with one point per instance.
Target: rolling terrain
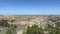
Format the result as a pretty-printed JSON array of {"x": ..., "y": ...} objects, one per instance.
[{"x": 23, "y": 21}]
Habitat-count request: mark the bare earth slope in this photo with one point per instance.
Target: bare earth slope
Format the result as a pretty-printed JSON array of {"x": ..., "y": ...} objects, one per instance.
[{"x": 28, "y": 20}]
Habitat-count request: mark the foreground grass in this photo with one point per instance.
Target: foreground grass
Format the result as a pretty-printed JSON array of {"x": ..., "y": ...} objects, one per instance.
[{"x": 3, "y": 32}]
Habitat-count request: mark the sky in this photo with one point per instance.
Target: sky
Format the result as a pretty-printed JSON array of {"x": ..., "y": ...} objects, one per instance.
[{"x": 29, "y": 7}]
